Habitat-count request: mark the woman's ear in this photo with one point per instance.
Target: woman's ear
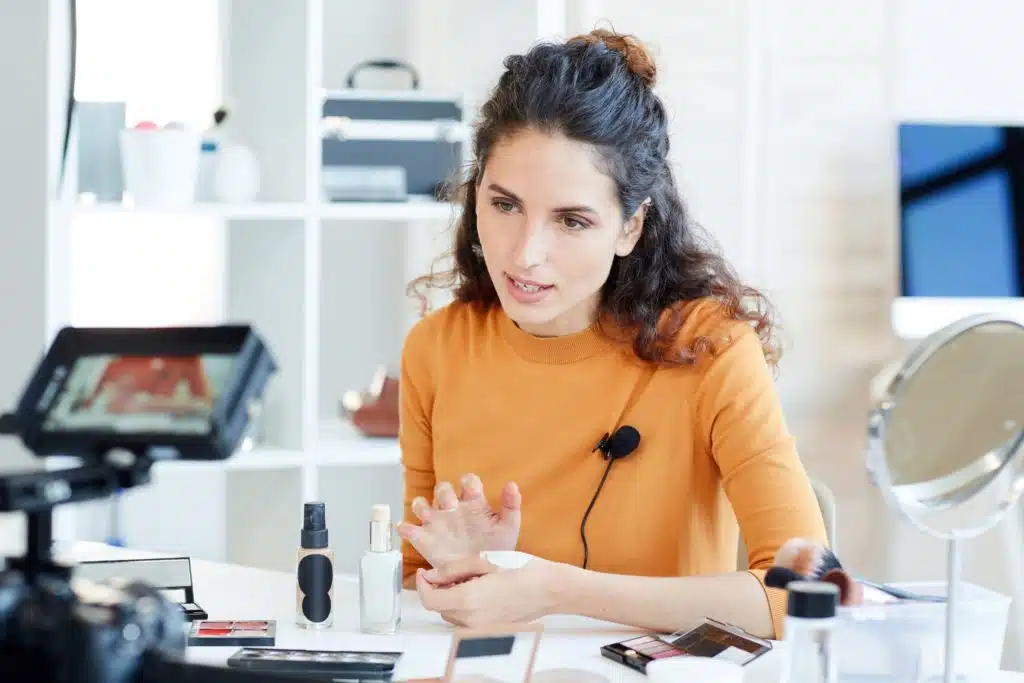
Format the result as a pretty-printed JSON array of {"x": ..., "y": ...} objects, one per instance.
[{"x": 631, "y": 230}]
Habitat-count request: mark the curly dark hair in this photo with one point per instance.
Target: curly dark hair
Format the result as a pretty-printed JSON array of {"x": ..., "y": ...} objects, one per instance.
[{"x": 597, "y": 88}]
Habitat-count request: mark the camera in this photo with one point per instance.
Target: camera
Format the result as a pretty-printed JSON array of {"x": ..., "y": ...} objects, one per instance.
[{"x": 115, "y": 400}]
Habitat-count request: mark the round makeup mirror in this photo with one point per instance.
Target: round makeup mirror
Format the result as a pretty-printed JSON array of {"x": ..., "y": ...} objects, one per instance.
[{"x": 946, "y": 437}]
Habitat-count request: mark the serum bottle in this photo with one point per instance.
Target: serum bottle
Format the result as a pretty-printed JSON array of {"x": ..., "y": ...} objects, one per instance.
[
  {"x": 810, "y": 633},
  {"x": 314, "y": 591},
  {"x": 380, "y": 577}
]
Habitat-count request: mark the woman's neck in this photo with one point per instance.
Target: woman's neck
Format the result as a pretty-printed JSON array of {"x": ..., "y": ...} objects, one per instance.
[{"x": 577, "y": 319}]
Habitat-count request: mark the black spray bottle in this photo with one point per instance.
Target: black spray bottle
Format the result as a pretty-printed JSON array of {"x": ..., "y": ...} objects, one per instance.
[{"x": 314, "y": 593}]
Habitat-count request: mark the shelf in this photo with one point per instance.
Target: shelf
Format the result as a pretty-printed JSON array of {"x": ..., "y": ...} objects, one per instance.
[
  {"x": 414, "y": 209},
  {"x": 411, "y": 210},
  {"x": 340, "y": 446},
  {"x": 256, "y": 210}
]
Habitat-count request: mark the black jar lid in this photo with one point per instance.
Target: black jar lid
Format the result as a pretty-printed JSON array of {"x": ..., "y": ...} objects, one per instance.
[{"x": 812, "y": 599}]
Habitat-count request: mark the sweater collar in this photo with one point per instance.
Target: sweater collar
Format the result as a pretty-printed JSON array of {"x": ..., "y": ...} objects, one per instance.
[{"x": 570, "y": 348}]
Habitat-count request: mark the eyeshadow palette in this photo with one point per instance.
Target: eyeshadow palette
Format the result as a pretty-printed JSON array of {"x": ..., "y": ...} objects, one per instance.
[
  {"x": 638, "y": 652},
  {"x": 254, "y": 633},
  {"x": 710, "y": 639}
]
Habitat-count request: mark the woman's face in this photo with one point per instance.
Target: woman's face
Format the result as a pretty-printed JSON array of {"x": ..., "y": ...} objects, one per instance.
[{"x": 550, "y": 227}]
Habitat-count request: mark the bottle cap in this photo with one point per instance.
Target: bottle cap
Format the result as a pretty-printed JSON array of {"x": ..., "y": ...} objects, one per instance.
[
  {"x": 314, "y": 525},
  {"x": 380, "y": 529},
  {"x": 380, "y": 513},
  {"x": 812, "y": 599}
]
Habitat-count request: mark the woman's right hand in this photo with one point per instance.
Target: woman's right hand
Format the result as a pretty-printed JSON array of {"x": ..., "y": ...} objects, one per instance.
[{"x": 458, "y": 526}]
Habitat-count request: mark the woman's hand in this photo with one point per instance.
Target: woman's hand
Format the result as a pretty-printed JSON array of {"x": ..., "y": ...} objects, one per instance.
[
  {"x": 475, "y": 593},
  {"x": 457, "y": 527}
]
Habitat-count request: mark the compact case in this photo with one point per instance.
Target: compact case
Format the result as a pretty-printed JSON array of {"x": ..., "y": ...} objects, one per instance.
[
  {"x": 711, "y": 639},
  {"x": 172, "y": 576}
]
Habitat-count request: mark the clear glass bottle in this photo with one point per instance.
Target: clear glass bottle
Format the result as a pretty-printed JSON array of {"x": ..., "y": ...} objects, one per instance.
[
  {"x": 380, "y": 577},
  {"x": 809, "y": 633}
]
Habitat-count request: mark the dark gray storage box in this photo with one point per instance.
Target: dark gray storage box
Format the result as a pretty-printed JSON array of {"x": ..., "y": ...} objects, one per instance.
[{"x": 381, "y": 145}]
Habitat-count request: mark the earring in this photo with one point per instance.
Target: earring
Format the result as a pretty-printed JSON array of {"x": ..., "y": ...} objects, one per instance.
[{"x": 478, "y": 251}]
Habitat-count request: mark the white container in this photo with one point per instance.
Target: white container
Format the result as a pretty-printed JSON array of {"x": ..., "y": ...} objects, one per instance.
[
  {"x": 695, "y": 670},
  {"x": 161, "y": 167},
  {"x": 507, "y": 559},
  {"x": 907, "y": 641},
  {"x": 236, "y": 174}
]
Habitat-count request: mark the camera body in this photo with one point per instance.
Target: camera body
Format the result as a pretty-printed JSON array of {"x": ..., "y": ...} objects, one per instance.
[
  {"x": 118, "y": 400},
  {"x": 57, "y": 629}
]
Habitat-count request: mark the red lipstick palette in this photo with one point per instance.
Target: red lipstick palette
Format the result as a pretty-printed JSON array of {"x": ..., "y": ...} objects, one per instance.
[{"x": 258, "y": 633}]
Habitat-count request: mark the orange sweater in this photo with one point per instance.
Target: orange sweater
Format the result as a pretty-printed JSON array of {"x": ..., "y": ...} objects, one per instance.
[{"x": 715, "y": 457}]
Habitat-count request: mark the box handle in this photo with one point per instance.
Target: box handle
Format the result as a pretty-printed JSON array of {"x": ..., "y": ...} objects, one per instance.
[{"x": 350, "y": 80}]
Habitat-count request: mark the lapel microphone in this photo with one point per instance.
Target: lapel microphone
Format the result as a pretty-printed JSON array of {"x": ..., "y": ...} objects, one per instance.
[{"x": 624, "y": 441}]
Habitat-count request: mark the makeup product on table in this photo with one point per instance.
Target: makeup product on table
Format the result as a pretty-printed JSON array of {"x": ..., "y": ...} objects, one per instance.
[
  {"x": 326, "y": 665},
  {"x": 249, "y": 633},
  {"x": 810, "y": 628},
  {"x": 711, "y": 639},
  {"x": 380, "y": 577},
  {"x": 314, "y": 590}
]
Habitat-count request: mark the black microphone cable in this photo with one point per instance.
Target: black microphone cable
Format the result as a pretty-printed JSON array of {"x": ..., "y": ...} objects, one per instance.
[
  {"x": 583, "y": 525},
  {"x": 623, "y": 442}
]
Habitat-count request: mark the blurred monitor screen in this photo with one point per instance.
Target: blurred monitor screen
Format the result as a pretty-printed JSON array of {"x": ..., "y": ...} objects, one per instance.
[{"x": 961, "y": 223}]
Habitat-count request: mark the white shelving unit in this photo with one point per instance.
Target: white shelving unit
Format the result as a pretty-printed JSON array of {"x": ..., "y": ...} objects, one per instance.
[{"x": 323, "y": 282}]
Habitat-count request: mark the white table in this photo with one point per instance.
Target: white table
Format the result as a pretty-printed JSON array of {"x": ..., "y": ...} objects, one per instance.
[{"x": 234, "y": 592}]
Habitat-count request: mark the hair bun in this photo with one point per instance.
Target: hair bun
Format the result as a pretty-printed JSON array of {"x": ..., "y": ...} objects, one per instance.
[{"x": 638, "y": 58}]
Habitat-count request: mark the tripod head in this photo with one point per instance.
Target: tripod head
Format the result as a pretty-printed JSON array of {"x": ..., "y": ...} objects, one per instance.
[{"x": 116, "y": 400}]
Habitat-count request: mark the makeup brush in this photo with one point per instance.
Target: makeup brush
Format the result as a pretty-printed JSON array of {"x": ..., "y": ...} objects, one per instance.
[
  {"x": 851, "y": 593},
  {"x": 801, "y": 558},
  {"x": 807, "y": 558},
  {"x": 781, "y": 577}
]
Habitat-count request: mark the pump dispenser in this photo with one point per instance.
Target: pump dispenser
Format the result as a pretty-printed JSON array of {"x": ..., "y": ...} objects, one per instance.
[{"x": 314, "y": 592}]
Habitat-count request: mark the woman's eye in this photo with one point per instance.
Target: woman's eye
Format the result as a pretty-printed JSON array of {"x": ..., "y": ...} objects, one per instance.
[
  {"x": 504, "y": 207},
  {"x": 573, "y": 223}
]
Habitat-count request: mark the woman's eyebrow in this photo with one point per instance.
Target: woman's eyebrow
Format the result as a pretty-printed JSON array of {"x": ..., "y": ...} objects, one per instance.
[{"x": 579, "y": 208}]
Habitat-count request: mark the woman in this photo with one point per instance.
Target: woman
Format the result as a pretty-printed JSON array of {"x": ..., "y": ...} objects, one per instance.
[{"x": 586, "y": 301}]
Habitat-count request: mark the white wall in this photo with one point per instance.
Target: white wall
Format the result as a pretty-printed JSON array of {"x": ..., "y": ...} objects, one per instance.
[{"x": 34, "y": 37}]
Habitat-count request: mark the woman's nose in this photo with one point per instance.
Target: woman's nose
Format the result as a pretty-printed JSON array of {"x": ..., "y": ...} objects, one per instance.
[{"x": 532, "y": 246}]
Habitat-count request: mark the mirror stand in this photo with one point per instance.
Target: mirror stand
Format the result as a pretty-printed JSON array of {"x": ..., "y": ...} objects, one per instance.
[
  {"x": 946, "y": 445},
  {"x": 954, "y": 571}
]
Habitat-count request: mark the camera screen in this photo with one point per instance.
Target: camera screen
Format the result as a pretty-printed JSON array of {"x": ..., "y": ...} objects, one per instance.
[{"x": 140, "y": 394}]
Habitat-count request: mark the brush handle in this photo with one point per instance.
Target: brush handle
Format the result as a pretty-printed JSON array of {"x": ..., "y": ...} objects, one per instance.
[{"x": 900, "y": 593}]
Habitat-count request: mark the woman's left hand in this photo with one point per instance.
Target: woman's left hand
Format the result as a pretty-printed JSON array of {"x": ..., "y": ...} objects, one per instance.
[{"x": 474, "y": 593}]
